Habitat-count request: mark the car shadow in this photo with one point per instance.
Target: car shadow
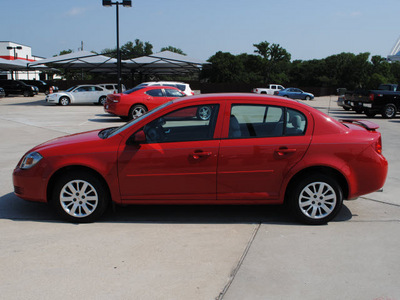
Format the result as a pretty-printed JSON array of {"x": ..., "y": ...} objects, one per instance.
[
  {"x": 31, "y": 103},
  {"x": 16, "y": 209},
  {"x": 106, "y": 118}
]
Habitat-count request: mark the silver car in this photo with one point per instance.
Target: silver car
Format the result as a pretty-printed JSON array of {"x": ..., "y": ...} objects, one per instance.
[{"x": 79, "y": 94}]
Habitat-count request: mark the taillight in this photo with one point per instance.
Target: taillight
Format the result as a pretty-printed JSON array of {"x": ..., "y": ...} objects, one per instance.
[
  {"x": 371, "y": 97},
  {"x": 378, "y": 145}
]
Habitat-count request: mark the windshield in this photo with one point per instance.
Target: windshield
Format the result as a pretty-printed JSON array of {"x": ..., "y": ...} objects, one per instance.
[
  {"x": 113, "y": 131},
  {"x": 70, "y": 89}
]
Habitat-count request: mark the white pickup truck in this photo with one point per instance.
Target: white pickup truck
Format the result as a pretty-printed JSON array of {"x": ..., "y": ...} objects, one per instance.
[{"x": 269, "y": 90}]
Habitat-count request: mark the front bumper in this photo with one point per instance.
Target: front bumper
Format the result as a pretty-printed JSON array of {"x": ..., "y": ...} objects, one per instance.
[{"x": 29, "y": 184}]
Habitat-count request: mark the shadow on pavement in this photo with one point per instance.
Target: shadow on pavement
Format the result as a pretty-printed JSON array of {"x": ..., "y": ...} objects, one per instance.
[
  {"x": 16, "y": 209},
  {"x": 106, "y": 118},
  {"x": 32, "y": 103}
]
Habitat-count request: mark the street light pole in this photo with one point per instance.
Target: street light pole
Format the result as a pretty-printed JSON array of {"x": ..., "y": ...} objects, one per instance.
[
  {"x": 125, "y": 3},
  {"x": 15, "y": 48},
  {"x": 15, "y": 57}
]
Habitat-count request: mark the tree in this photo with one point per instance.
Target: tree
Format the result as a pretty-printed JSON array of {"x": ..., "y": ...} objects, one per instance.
[
  {"x": 130, "y": 50},
  {"x": 64, "y": 52},
  {"x": 275, "y": 61},
  {"x": 172, "y": 49}
]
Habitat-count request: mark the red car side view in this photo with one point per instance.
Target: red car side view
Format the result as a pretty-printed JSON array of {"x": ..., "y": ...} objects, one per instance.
[
  {"x": 133, "y": 103},
  {"x": 251, "y": 150}
]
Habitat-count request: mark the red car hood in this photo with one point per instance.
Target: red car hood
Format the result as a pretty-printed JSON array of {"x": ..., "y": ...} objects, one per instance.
[{"x": 70, "y": 140}]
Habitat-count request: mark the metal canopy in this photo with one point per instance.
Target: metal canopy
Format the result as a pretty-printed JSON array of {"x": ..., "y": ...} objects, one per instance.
[
  {"x": 395, "y": 53},
  {"x": 165, "y": 62},
  {"x": 80, "y": 60}
]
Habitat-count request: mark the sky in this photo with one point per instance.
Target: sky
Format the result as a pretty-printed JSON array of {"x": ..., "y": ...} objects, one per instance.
[{"x": 307, "y": 29}]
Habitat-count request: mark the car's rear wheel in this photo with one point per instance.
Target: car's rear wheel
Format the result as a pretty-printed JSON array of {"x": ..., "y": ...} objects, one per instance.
[
  {"x": 316, "y": 199},
  {"x": 64, "y": 101},
  {"x": 79, "y": 197},
  {"x": 136, "y": 111},
  {"x": 102, "y": 100},
  {"x": 389, "y": 111}
]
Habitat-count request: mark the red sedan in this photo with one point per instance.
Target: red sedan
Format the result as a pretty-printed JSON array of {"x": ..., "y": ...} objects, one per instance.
[
  {"x": 135, "y": 102},
  {"x": 251, "y": 150}
]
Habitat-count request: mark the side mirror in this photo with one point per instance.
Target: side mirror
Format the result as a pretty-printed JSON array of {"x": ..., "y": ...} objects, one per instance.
[{"x": 138, "y": 138}]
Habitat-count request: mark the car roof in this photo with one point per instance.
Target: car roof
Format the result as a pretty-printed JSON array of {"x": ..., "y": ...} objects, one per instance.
[
  {"x": 155, "y": 87},
  {"x": 171, "y": 82},
  {"x": 239, "y": 96}
]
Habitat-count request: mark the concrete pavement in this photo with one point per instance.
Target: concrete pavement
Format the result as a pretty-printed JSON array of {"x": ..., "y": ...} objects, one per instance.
[{"x": 181, "y": 252}]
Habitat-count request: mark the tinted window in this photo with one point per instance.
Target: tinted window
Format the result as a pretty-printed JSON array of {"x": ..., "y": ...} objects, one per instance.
[
  {"x": 82, "y": 89},
  {"x": 173, "y": 93},
  {"x": 182, "y": 125},
  {"x": 249, "y": 121},
  {"x": 155, "y": 93},
  {"x": 134, "y": 89}
]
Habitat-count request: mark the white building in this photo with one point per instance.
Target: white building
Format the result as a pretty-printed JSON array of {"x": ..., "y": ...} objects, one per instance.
[{"x": 13, "y": 51}]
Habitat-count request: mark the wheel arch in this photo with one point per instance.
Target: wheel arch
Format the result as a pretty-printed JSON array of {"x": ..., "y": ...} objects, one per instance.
[
  {"x": 64, "y": 96},
  {"x": 75, "y": 168},
  {"x": 138, "y": 103},
  {"x": 335, "y": 174}
]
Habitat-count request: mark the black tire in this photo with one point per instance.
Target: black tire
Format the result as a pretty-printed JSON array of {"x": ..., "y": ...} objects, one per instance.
[
  {"x": 316, "y": 199},
  {"x": 80, "y": 197},
  {"x": 204, "y": 112},
  {"x": 27, "y": 94},
  {"x": 346, "y": 108},
  {"x": 308, "y": 98},
  {"x": 136, "y": 111},
  {"x": 64, "y": 101},
  {"x": 369, "y": 114},
  {"x": 358, "y": 110},
  {"x": 102, "y": 100},
  {"x": 389, "y": 111}
]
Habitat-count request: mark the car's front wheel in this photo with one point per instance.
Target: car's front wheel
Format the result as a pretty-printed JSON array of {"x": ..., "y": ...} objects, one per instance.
[
  {"x": 316, "y": 199},
  {"x": 64, "y": 101},
  {"x": 80, "y": 197},
  {"x": 204, "y": 112},
  {"x": 308, "y": 98}
]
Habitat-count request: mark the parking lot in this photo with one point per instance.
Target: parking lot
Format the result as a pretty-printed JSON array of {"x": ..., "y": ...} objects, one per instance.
[{"x": 190, "y": 252}]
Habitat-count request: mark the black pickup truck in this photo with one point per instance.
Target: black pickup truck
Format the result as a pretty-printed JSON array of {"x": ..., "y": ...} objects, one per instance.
[{"x": 385, "y": 100}]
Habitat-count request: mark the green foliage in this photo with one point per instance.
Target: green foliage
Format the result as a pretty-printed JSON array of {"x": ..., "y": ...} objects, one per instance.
[
  {"x": 173, "y": 49},
  {"x": 64, "y": 52},
  {"x": 130, "y": 50}
]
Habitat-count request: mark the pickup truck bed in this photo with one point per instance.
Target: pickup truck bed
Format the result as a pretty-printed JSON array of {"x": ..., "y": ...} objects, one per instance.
[{"x": 384, "y": 101}]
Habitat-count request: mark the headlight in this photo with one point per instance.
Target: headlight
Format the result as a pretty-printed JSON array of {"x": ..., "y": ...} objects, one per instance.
[{"x": 30, "y": 160}]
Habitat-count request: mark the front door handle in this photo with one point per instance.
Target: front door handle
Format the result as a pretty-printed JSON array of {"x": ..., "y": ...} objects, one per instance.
[
  {"x": 199, "y": 154},
  {"x": 282, "y": 151}
]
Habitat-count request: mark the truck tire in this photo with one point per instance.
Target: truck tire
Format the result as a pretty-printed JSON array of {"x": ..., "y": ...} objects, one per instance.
[
  {"x": 389, "y": 111},
  {"x": 369, "y": 114}
]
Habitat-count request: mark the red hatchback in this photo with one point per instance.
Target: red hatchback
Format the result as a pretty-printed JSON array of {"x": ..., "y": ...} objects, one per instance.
[
  {"x": 133, "y": 103},
  {"x": 251, "y": 150}
]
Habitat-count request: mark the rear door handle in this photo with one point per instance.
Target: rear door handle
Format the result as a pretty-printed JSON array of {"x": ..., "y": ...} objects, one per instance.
[
  {"x": 282, "y": 151},
  {"x": 199, "y": 153}
]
